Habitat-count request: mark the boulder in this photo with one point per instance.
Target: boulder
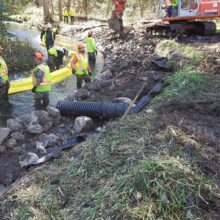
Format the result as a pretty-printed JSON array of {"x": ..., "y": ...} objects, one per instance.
[
  {"x": 18, "y": 136},
  {"x": 4, "y": 133},
  {"x": 122, "y": 100},
  {"x": 53, "y": 139},
  {"x": 45, "y": 121},
  {"x": 98, "y": 84},
  {"x": 28, "y": 159},
  {"x": 83, "y": 123},
  {"x": 2, "y": 188},
  {"x": 40, "y": 147},
  {"x": 35, "y": 129},
  {"x": 11, "y": 143},
  {"x": 2, "y": 149},
  {"x": 29, "y": 119},
  {"x": 44, "y": 139},
  {"x": 54, "y": 112},
  {"x": 81, "y": 94},
  {"x": 40, "y": 113},
  {"x": 14, "y": 125}
]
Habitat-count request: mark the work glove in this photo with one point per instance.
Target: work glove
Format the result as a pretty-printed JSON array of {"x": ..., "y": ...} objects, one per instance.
[
  {"x": 96, "y": 52},
  {"x": 90, "y": 73},
  {"x": 74, "y": 72},
  {"x": 34, "y": 89}
]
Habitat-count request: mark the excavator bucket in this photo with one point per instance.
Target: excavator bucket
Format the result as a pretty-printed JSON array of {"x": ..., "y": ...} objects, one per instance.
[{"x": 116, "y": 24}]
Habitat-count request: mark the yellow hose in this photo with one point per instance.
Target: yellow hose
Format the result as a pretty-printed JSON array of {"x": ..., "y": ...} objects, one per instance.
[{"x": 25, "y": 84}]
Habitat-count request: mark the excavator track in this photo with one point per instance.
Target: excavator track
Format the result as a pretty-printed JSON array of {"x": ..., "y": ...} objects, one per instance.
[{"x": 182, "y": 28}]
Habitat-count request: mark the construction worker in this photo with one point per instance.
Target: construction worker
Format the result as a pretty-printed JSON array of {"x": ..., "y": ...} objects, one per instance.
[
  {"x": 48, "y": 36},
  {"x": 169, "y": 8},
  {"x": 175, "y": 4},
  {"x": 55, "y": 57},
  {"x": 80, "y": 66},
  {"x": 4, "y": 81},
  {"x": 72, "y": 13},
  {"x": 91, "y": 48},
  {"x": 65, "y": 15},
  {"x": 42, "y": 81}
]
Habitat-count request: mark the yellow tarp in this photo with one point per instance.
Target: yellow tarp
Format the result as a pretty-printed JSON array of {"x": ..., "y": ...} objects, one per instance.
[{"x": 25, "y": 84}]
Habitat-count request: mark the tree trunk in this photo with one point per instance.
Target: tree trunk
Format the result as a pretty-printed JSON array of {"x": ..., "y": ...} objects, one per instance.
[
  {"x": 60, "y": 6},
  {"x": 68, "y": 4},
  {"x": 46, "y": 11},
  {"x": 52, "y": 8}
]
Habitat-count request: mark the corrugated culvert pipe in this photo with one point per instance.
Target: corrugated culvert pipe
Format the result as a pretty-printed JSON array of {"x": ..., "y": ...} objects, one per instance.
[{"x": 92, "y": 109}]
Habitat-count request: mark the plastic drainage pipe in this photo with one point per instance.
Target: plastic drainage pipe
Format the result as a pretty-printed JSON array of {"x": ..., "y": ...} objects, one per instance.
[{"x": 92, "y": 109}]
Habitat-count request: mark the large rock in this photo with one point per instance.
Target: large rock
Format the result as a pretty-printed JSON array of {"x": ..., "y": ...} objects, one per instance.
[
  {"x": 44, "y": 139},
  {"x": 2, "y": 149},
  {"x": 44, "y": 119},
  {"x": 18, "y": 136},
  {"x": 2, "y": 188},
  {"x": 98, "y": 84},
  {"x": 122, "y": 100},
  {"x": 35, "y": 129},
  {"x": 4, "y": 133},
  {"x": 53, "y": 139},
  {"x": 54, "y": 112},
  {"x": 83, "y": 123},
  {"x": 14, "y": 125},
  {"x": 81, "y": 94},
  {"x": 29, "y": 119},
  {"x": 11, "y": 143},
  {"x": 28, "y": 159}
]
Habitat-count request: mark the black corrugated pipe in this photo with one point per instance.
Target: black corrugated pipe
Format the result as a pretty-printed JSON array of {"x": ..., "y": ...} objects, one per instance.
[
  {"x": 105, "y": 110},
  {"x": 92, "y": 109}
]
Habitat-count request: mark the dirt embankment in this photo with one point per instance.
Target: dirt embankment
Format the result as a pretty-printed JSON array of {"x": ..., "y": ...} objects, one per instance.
[{"x": 186, "y": 115}]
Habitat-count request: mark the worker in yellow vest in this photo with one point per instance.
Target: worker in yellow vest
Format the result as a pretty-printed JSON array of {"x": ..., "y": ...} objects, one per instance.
[
  {"x": 175, "y": 4},
  {"x": 41, "y": 79},
  {"x": 80, "y": 66},
  {"x": 91, "y": 48},
  {"x": 65, "y": 15},
  {"x": 4, "y": 81},
  {"x": 72, "y": 13}
]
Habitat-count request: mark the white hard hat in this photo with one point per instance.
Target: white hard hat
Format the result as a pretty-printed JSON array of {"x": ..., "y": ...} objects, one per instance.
[{"x": 49, "y": 25}]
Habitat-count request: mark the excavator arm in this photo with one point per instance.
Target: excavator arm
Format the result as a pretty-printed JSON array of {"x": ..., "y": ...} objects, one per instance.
[{"x": 116, "y": 22}]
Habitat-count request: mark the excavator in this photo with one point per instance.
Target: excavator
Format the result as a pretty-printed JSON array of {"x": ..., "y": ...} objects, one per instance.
[
  {"x": 116, "y": 21},
  {"x": 177, "y": 17}
]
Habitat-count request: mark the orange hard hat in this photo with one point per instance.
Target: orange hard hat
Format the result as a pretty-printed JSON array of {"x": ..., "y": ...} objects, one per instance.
[
  {"x": 90, "y": 33},
  {"x": 80, "y": 45},
  {"x": 39, "y": 55}
]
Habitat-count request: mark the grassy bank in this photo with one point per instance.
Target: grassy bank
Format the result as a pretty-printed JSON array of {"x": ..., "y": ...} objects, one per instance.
[
  {"x": 141, "y": 167},
  {"x": 18, "y": 55}
]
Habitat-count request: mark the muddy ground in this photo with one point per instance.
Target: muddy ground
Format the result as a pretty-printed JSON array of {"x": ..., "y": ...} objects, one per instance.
[{"x": 127, "y": 66}]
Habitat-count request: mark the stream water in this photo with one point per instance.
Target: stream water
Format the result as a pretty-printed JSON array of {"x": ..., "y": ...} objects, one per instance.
[{"x": 22, "y": 103}]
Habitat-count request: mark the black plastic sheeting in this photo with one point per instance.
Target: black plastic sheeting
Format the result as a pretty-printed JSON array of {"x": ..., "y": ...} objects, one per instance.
[
  {"x": 92, "y": 109},
  {"x": 55, "y": 151}
]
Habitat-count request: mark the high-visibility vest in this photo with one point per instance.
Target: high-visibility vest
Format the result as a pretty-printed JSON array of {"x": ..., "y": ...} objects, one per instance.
[
  {"x": 72, "y": 11},
  {"x": 91, "y": 45},
  {"x": 175, "y": 3},
  {"x": 82, "y": 65},
  {"x": 45, "y": 85},
  {"x": 65, "y": 12},
  {"x": 3, "y": 69},
  {"x": 45, "y": 36},
  {"x": 53, "y": 51}
]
